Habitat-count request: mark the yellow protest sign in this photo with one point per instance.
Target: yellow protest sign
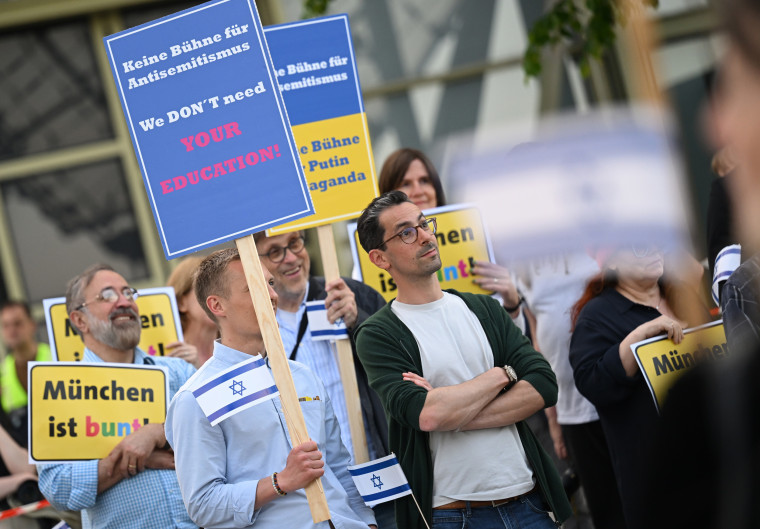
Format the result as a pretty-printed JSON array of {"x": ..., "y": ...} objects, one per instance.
[
  {"x": 462, "y": 239},
  {"x": 80, "y": 411},
  {"x": 662, "y": 362},
  {"x": 337, "y": 159},
  {"x": 159, "y": 318}
]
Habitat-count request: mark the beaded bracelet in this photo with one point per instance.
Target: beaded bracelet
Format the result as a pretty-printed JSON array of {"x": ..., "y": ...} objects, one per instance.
[{"x": 277, "y": 488}]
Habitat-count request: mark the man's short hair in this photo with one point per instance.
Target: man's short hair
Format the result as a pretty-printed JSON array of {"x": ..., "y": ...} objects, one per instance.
[
  {"x": 210, "y": 278},
  {"x": 75, "y": 289},
  {"x": 371, "y": 234},
  {"x": 13, "y": 303}
]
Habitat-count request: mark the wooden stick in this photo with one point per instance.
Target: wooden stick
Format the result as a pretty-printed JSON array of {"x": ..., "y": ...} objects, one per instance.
[
  {"x": 344, "y": 353},
  {"x": 278, "y": 361},
  {"x": 418, "y": 508}
]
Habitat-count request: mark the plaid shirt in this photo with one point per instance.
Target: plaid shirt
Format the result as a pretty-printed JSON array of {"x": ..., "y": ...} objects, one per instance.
[
  {"x": 150, "y": 499},
  {"x": 741, "y": 310}
]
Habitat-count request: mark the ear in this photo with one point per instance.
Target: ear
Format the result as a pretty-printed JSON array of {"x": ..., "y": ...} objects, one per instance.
[
  {"x": 79, "y": 321},
  {"x": 379, "y": 259},
  {"x": 182, "y": 304},
  {"x": 215, "y": 305}
]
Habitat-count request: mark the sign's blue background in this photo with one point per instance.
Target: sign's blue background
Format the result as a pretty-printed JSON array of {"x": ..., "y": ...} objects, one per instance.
[
  {"x": 313, "y": 41},
  {"x": 237, "y": 203}
]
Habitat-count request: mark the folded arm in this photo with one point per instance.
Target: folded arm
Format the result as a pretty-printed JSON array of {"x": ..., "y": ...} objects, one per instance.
[{"x": 452, "y": 407}]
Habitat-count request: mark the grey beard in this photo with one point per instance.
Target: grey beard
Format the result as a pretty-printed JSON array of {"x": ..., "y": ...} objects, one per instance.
[{"x": 122, "y": 339}]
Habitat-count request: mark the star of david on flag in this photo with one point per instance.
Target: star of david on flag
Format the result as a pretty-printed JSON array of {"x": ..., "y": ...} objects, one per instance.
[
  {"x": 236, "y": 389},
  {"x": 380, "y": 480}
]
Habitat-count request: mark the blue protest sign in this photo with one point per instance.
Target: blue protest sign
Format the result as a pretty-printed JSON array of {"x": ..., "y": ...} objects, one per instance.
[
  {"x": 209, "y": 125},
  {"x": 316, "y": 72}
]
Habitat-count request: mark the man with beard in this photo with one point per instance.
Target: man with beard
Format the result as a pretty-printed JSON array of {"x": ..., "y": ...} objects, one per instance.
[
  {"x": 457, "y": 379},
  {"x": 135, "y": 485}
]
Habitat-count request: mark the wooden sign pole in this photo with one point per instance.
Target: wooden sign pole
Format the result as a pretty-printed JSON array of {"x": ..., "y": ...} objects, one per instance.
[
  {"x": 278, "y": 361},
  {"x": 345, "y": 354}
]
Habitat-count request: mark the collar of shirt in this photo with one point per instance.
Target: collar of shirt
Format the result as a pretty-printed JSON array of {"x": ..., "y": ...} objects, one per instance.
[{"x": 90, "y": 356}]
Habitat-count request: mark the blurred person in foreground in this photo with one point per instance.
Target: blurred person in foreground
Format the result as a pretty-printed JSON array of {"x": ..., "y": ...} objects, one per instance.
[
  {"x": 625, "y": 303},
  {"x": 708, "y": 448},
  {"x": 198, "y": 329}
]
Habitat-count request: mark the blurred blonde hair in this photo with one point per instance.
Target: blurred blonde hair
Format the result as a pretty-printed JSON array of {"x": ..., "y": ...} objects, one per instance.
[{"x": 182, "y": 278}]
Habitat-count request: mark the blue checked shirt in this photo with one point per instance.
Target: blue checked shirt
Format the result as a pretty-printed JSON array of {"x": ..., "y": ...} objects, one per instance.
[
  {"x": 151, "y": 499},
  {"x": 319, "y": 356}
]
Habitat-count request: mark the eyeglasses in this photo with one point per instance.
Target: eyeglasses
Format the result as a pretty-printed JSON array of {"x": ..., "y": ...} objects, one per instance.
[
  {"x": 276, "y": 254},
  {"x": 111, "y": 295},
  {"x": 409, "y": 234}
]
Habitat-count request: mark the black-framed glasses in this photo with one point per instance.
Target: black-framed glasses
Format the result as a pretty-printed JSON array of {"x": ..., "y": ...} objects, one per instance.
[
  {"x": 276, "y": 254},
  {"x": 111, "y": 295},
  {"x": 409, "y": 234}
]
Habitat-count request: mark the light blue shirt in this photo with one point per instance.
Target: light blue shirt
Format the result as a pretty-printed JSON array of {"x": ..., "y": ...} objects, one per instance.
[
  {"x": 149, "y": 499},
  {"x": 219, "y": 467},
  {"x": 319, "y": 356}
]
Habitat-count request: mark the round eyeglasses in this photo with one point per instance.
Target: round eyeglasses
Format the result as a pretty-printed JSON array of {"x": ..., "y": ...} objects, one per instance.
[
  {"x": 409, "y": 234},
  {"x": 276, "y": 254},
  {"x": 111, "y": 295}
]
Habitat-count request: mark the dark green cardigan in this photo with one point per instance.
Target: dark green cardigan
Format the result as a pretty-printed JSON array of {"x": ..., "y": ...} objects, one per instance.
[{"x": 387, "y": 348}]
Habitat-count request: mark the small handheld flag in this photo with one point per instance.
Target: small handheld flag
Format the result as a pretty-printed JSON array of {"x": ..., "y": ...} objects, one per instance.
[
  {"x": 321, "y": 328},
  {"x": 236, "y": 389},
  {"x": 380, "y": 480}
]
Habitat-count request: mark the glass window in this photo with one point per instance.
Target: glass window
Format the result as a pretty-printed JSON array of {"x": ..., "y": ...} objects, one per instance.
[
  {"x": 64, "y": 221},
  {"x": 52, "y": 93}
]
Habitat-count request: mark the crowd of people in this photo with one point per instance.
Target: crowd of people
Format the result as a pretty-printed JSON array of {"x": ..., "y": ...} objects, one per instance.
[{"x": 446, "y": 379}]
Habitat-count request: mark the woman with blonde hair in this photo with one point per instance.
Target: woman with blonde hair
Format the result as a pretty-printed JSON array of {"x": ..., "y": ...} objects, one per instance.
[{"x": 200, "y": 332}]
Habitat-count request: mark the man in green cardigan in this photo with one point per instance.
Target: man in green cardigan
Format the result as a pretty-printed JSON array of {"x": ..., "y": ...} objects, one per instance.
[{"x": 456, "y": 379}]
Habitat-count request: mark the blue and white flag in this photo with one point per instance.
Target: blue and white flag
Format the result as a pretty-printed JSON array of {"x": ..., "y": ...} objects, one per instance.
[
  {"x": 320, "y": 326},
  {"x": 380, "y": 480},
  {"x": 236, "y": 389}
]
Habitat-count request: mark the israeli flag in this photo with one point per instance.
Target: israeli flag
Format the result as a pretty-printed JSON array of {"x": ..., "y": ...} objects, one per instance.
[
  {"x": 380, "y": 480},
  {"x": 320, "y": 326},
  {"x": 727, "y": 260},
  {"x": 236, "y": 389}
]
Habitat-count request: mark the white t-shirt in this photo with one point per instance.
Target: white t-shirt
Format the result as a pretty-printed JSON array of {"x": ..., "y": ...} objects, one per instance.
[
  {"x": 551, "y": 287},
  {"x": 477, "y": 465}
]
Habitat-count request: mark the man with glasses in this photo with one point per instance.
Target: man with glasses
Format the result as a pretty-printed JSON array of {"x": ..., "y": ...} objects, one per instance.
[
  {"x": 287, "y": 259},
  {"x": 456, "y": 378},
  {"x": 135, "y": 485}
]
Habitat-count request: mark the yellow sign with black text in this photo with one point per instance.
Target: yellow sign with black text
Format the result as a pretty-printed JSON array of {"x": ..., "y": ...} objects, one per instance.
[
  {"x": 159, "y": 318},
  {"x": 337, "y": 159},
  {"x": 81, "y": 411},
  {"x": 662, "y": 362},
  {"x": 462, "y": 239}
]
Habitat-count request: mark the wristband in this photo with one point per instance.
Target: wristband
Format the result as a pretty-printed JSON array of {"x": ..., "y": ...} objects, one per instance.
[
  {"x": 519, "y": 302},
  {"x": 276, "y": 487}
]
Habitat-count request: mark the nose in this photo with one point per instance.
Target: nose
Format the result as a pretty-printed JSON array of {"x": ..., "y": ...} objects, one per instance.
[
  {"x": 290, "y": 256},
  {"x": 122, "y": 300},
  {"x": 424, "y": 236},
  {"x": 273, "y": 297}
]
